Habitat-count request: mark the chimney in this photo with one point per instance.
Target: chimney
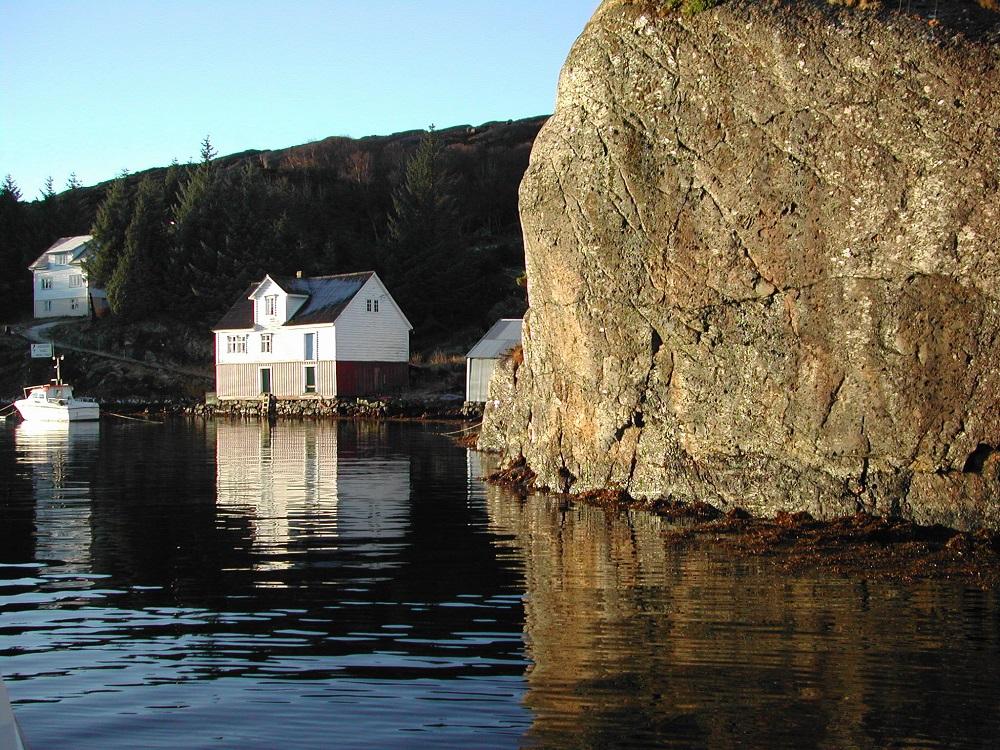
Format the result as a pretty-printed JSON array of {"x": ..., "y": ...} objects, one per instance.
[{"x": 298, "y": 274}]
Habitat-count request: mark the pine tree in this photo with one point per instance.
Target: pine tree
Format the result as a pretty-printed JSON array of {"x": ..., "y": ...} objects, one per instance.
[
  {"x": 135, "y": 287},
  {"x": 423, "y": 262},
  {"x": 73, "y": 219},
  {"x": 15, "y": 281},
  {"x": 113, "y": 218}
]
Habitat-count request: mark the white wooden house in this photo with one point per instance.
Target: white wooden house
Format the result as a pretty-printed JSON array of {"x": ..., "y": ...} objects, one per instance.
[
  {"x": 482, "y": 359},
  {"x": 60, "y": 281},
  {"x": 317, "y": 337}
]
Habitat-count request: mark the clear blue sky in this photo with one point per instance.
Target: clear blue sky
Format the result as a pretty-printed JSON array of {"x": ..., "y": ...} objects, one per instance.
[{"x": 99, "y": 86}]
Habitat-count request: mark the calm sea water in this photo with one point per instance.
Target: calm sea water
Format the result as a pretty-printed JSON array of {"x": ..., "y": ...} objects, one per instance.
[{"x": 353, "y": 585}]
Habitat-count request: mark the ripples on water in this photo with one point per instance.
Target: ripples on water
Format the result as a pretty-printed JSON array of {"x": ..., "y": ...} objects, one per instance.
[{"x": 353, "y": 585}]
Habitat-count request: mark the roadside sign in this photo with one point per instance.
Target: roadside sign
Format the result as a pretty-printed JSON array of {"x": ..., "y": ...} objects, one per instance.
[{"x": 39, "y": 351}]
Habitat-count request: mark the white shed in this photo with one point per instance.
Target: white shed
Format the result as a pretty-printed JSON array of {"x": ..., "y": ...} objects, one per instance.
[{"x": 483, "y": 357}]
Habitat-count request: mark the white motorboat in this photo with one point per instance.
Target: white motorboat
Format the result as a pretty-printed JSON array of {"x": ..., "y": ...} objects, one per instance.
[{"x": 55, "y": 402}]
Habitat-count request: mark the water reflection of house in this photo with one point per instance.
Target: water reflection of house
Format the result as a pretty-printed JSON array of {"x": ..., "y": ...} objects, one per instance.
[
  {"x": 296, "y": 482},
  {"x": 62, "y": 495}
]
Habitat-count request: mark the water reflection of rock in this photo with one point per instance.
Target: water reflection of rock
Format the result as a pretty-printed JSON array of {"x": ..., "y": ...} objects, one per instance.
[
  {"x": 638, "y": 643},
  {"x": 298, "y": 493},
  {"x": 54, "y": 455}
]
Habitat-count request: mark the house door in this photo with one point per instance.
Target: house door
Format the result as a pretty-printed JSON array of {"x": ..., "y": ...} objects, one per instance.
[{"x": 265, "y": 379}]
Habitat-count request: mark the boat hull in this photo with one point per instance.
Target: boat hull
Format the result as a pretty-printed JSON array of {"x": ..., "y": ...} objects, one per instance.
[{"x": 79, "y": 411}]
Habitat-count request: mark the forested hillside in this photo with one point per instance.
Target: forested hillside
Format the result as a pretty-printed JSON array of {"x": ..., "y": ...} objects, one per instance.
[{"x": 434, "y": 212}]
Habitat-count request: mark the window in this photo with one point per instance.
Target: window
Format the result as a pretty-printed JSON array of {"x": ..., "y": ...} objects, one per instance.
[
  {"x": 310, "y": 379},
  {"x": 271, "y": 305},
  {"x": 74, "y": 304},
  {"x": 265, "y": 343},
  {"x": 371, "y": 305},
  {"x": 236, "y": 344},
  {"x": 46, "y": 282},
  {"x": 309, "y": 347},
  {"x": 48, "y": 305},
  {"x": 375, "y": 303},
  {"x": 368, "y": 305},
  {"x": 76, "y": 280},
  {"x": 58, "y": 259},
  {"x": 265, "y": 379}
]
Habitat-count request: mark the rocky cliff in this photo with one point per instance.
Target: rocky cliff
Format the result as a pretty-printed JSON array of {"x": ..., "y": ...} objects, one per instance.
[{"x": 763, "y": 255}]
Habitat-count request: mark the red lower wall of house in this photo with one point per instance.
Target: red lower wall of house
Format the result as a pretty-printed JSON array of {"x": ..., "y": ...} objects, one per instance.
[{"x": 371, "y": 378}]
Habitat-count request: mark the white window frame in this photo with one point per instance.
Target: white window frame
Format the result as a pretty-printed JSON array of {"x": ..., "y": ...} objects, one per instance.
[
  {"x": 46, "y": 282},
  {"x": 315, "y": 347},
  {"x": 236, "y": 344},
  {"x": 266, "y": 343},
  {"x": 305, "y": 378},
  {"x": 368, "y": 305},
  {"x": 74, "y": 304},
  {"x": 271, "y": 305},
  {"x": 47, "y": 305},
  {"x": 76, "y": 280},
  {"x": 375, "y": 304}
]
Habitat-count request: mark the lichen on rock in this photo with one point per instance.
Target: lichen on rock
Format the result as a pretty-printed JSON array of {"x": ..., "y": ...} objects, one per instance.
[{"x": 763, "y": 257}]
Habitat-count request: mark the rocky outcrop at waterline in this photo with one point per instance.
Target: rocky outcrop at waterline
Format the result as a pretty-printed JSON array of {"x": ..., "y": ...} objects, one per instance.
[{"x": 763, "y": 255}]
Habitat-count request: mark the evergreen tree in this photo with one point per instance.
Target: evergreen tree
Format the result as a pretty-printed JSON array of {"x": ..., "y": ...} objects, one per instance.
[
  {"x": 196, "y": 238},
  {"x": 9, "y": 188},
  {"x": 48, "y": 189},
  {"x": 110, "y": 225},
  {"x": 15, "y": 281},
  {"x": 207, "y": 151},
  {"x": 73, "y": 219},
  {"x": 424, "y": 260},
  {"x": 134, "y": 289}
]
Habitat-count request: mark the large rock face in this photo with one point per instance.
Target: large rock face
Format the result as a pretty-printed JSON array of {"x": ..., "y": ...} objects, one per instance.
[{"x": 763, "y": 248}]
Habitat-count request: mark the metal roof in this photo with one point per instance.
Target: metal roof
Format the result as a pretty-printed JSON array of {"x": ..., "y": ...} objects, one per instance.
[
  {"x": 500, "y": 339},
  {"x": 327, "y": 296},
  {"x": 76, "y": 247}
]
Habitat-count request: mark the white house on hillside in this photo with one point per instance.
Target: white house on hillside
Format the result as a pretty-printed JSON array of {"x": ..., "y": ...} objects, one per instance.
[
  {"x": 60, "y": 282},
  {"x": 316, "y": 337}
]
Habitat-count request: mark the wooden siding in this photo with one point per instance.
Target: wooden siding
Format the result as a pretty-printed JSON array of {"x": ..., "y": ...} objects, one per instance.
[
  {"x": 371, "y": 378},
  {"x": 287, "y": 380},
  {"x": 61, "y": 295},
  {"x": 363, "y": 336}
]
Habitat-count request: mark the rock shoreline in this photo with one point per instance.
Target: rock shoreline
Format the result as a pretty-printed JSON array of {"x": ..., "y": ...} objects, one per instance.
[
  {"x": 360, "y": 408},
  {"x": 861, "y": 545},
  {"x": 763, "y": 260}
]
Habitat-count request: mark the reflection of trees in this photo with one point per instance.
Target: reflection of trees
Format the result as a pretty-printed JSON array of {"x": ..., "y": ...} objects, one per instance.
[{"x": 636, "y": 642}]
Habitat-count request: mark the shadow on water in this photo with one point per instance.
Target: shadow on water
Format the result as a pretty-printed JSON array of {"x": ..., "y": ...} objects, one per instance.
[{"x": 353, "y": 584}]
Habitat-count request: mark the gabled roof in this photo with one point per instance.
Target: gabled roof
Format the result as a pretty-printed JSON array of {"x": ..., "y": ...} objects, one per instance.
[
  {"x": 75, "y": 247},
  {"x": 240, "y": 315},
  {"x": 503, "y": 336},
  {"x": 326, "y": 298},
  {"x": 327, "y": 295}
]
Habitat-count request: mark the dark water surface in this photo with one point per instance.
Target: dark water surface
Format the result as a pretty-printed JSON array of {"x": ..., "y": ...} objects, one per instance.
[{"x": 317, "y": 585}]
